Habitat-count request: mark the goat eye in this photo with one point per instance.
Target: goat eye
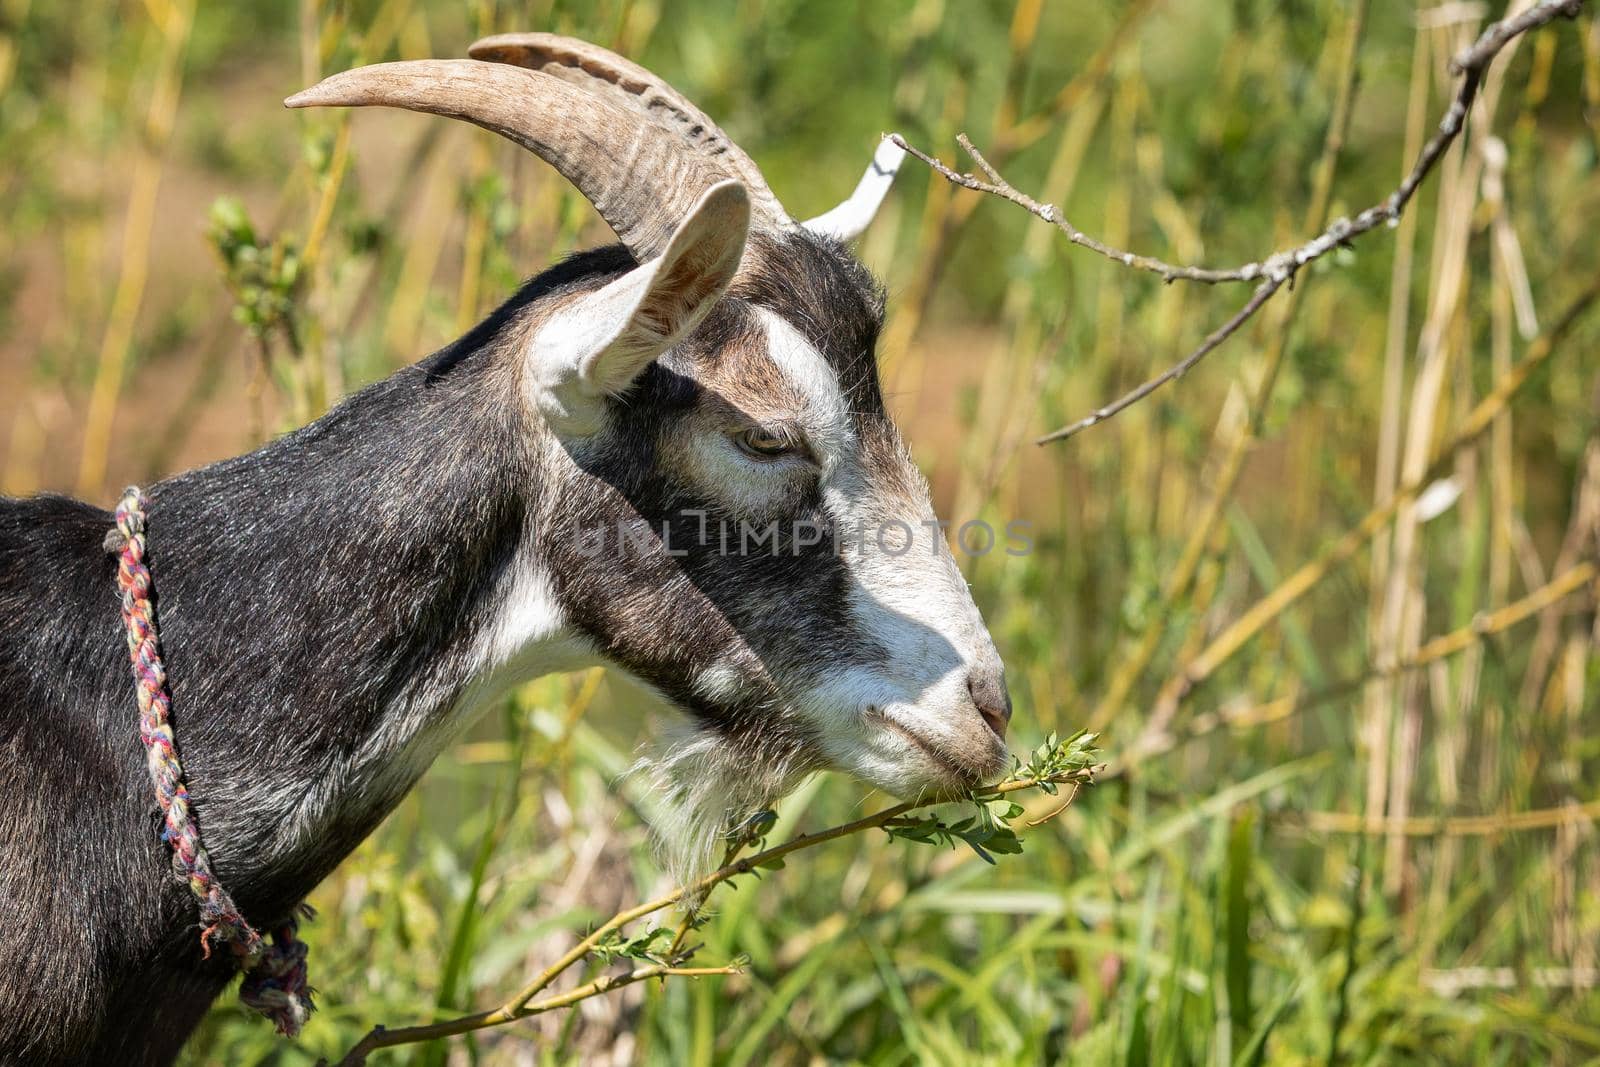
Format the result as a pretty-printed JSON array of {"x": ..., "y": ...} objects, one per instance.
[{"x": 763, "y": 444}]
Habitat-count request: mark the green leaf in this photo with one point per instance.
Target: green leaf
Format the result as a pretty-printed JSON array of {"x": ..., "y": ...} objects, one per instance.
[{"x": 1005, "y": 842}]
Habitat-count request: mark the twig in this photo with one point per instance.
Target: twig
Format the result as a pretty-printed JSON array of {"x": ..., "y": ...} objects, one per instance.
[
  {"x": 379, "y": 1037},
  {"x": 1449, "y": 983},
  {"x": 1262, "y": 294},
  {"x": 995, "y": 185},
  {"x": 1057, "y": 810},
  {"x": 1187, "y": 590},
  {"x": 1482, "y": 627},
  {"x": 522, "y": 1004},
  {"x": 1279, "y": 268},
  {"x": 1340, "y": 822},
  {"x": 1289, "y": 591}
]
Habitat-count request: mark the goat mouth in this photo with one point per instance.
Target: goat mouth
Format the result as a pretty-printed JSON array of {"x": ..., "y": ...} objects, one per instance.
[{"x": 964, "y": 773}]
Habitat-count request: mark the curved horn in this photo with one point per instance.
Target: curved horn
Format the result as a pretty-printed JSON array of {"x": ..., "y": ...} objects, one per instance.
[
  {"x": 847, "y": 221},
  {"x": 638, "y": 176},
  {"x": 626, "y": 84}
]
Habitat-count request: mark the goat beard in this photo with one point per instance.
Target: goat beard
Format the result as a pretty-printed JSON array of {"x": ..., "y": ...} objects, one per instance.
[{"x": 702, "y": 784}]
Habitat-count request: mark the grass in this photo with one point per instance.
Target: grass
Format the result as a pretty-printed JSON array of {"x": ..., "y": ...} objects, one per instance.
[{"x": 1349, "y": 811}]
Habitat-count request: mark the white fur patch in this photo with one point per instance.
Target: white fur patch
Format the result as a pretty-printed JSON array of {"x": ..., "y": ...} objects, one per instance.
[
  {"x": 699, "y": 786},
  {"x": 825, "y": 416},
  {"x": 719, "y": 683},
  {"x": 524, "y": 637}
]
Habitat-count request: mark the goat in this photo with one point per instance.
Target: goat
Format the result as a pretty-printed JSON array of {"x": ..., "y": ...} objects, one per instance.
[{"x": 339, "y": 604}]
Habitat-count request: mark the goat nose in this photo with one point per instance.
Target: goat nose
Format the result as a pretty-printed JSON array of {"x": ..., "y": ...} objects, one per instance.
[{"x": 991, "y": 698}]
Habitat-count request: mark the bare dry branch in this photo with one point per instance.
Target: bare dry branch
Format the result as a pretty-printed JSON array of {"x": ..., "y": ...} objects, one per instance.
[
  {"x": 1278, "y": 269},
  {"x": 1233, "y": 637},
  {"x": 1262, "y": 294}
]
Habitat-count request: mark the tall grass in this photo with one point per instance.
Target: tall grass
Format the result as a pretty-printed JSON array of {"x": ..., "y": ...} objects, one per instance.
[{"x": 1330, "y": 599}]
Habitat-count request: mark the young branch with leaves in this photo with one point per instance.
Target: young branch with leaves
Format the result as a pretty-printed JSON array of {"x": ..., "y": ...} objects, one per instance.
[{"x": 1056, "y": 765}]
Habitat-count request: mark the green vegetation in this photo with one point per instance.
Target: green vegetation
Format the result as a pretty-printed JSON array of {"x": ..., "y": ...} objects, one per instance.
[{"x": 1353, "y": 746}]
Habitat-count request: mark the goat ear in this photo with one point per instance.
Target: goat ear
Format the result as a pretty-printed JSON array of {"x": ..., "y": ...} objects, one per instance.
[{"x": 596, "y": 346}]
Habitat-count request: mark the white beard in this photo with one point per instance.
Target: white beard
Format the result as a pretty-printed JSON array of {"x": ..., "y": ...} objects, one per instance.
[{"x": 701, "y": 787}]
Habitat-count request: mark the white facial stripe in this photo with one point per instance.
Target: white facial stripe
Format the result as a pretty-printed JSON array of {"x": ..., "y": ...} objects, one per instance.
[
  {"x": 825, "y": 416},
  {"x": 916, "y": 603},
  {"x": 906, "y": 593}
]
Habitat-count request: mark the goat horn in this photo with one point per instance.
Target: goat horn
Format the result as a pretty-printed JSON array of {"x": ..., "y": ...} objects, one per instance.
[
  {"x": 626, "y": 84},
  {"x": 851, "y": 218},
  {"x": 638, "y": 176}
]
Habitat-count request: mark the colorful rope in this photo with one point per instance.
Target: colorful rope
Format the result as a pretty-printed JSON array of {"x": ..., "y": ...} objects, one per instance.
[{"x": 275, "y": 974}]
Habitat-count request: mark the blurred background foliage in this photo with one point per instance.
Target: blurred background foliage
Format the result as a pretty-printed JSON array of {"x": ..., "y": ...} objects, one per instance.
[{"x": 1341, "y": 841}]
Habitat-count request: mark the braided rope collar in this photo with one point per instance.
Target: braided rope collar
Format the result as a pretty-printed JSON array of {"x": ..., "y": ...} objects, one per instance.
[{"x": 275, "y": 974}]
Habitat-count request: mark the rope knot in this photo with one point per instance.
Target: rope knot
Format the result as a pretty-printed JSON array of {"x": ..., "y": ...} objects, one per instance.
[{"x": 275, "y": 975}]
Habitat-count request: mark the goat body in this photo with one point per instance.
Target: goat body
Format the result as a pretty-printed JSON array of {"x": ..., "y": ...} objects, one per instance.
[
  {"x": 336, "y": 606},
  {"x": 320, "y": 602}
]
